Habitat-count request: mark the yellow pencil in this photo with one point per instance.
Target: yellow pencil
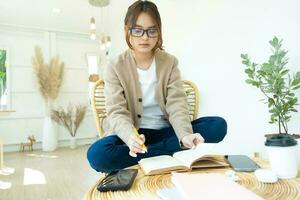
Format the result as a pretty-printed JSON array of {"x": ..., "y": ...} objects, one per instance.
[{"x": 138, "y": 135}]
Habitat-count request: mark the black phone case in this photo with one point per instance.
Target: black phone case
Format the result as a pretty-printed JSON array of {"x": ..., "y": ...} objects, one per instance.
[{"x": 118, "y": 180}]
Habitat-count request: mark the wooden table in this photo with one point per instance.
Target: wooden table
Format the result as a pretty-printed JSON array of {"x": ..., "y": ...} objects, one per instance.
[{"x": 145, "y": 187}]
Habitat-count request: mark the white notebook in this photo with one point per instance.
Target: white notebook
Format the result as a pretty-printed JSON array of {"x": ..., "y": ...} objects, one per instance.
[
  {"x": 169, "y": 194},
  {"x": 210, "y": 186}
]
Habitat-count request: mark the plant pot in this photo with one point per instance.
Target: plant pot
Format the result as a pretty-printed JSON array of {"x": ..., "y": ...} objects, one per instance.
[
  {"x": 73, "y": 143},
  {"x": 282, "y": 149},
  {"x": 50, "y": 136}
]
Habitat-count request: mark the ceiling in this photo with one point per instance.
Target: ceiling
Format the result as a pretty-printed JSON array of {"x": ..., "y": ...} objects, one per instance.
[{"x": 74, "y": 16}]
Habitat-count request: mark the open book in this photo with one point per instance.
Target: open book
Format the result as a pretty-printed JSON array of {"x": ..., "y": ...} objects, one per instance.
[{"x": 200, "y": 157}]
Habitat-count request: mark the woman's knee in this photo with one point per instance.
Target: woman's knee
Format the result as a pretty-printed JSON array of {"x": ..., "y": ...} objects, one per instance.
[
  {"x": 221, "y": 128},
  {"x": 98, "y": 154},
  {"x": 213, "y": 128}
]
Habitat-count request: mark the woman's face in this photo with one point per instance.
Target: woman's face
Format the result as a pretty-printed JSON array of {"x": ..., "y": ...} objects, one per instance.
[{"x": 144, "y": 36}]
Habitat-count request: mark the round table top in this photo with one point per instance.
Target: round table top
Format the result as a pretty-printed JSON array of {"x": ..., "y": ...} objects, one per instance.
[{"x": 145, "y": 187}]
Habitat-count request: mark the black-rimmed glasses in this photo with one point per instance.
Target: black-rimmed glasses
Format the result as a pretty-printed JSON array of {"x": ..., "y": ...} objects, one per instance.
[{"x": 139, "y": 32}]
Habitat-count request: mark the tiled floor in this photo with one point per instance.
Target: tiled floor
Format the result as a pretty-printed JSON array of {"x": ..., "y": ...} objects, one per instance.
[{"x": 60, "y": 175}]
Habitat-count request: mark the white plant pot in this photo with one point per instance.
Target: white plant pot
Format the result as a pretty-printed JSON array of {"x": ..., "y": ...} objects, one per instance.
[
  {"x": 50, "y": 136},
  {"x": 73, "y": 143},
  {"x": 283, "y": 161}
]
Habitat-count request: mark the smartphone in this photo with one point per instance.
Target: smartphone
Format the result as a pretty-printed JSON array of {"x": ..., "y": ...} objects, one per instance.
[
  {"x": 118, "y": 180},
  {"x": 242, "y": 163}
]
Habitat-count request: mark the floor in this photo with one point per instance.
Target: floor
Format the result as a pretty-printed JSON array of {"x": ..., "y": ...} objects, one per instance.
[{"x": 60, "y": 175}]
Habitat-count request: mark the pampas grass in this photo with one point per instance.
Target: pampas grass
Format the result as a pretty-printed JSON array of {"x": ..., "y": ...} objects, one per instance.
[
  {"x": 49, "y": 76},
  {"x": 70, "y": 118}
]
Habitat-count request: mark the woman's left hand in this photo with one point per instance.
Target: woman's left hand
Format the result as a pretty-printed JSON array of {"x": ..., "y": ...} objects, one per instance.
[{"x": 192, "y": 140}]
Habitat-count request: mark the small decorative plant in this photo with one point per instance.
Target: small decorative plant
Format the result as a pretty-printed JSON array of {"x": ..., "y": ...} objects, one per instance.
[
  {"x": 70, "y": 118},
  {"x": 276, "y": 83},
  {"x": 49, "y": 76}
]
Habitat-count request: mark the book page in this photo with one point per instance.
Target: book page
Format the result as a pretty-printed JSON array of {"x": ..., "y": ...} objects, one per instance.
[
  {"x": 160, "y": 164},
  {"x": 210, "y": 161},
  {"x": 187, "y": 157}
]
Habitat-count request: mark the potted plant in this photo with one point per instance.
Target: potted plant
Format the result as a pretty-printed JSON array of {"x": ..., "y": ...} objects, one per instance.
[
  {"x": 49, "y": 78},
  {"x": 70, "y": 118},
  {"x": 278, "y": 85}
]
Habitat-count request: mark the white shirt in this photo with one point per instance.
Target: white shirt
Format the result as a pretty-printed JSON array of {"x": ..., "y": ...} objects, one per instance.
[{"x": 152, "y": 116}]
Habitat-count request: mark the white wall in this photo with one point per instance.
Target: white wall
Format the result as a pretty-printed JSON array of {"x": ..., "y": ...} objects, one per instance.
[
  {"x": 25, "y": 97},
  {"x": 209, "y": 45},
  {"x": 207, "y": 36}
]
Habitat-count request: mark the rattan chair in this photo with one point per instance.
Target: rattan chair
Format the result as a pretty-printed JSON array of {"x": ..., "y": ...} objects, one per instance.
[{"x": 99, "y": 111}]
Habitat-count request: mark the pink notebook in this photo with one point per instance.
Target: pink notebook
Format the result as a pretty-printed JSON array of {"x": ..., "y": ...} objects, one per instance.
[{"x": 211, "y": 186}]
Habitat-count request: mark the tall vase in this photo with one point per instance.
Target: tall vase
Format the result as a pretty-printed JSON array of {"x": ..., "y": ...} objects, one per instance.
[
  {"x": 73, "y": 143},
  {"x": 50, "y": 135}
]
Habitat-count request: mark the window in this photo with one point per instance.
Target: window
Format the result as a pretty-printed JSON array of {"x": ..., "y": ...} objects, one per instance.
[
  {"x": 93, "y": 60},
  {"x": 93, "y": 65}
]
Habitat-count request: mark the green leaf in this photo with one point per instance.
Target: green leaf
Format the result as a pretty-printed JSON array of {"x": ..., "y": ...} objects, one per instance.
[
  {"x": 273, "y": 110},
  {"x": 282, "y": 53},
  {"x": 2, "y": 74},
  {"x": 296, "y": 87},
  {"x": 296, "y": 81},
  {"x": 284, "y": 72},
  {"x": 287, "y": 118},
  {"x": 244, "y": 56},
  {"x": 252, "y": 82},
  {"x": 294, "y": 100},
  {"x": 248, "y": 71},
  {"x": 246, "y": 62},
  {"x": 297, "y": 75},
  {"x": 272, "y": 60},
  {"x": 274, "y": 42},
  {"x": 261, "y": 72},
  {"x": 270, "y": 102}
]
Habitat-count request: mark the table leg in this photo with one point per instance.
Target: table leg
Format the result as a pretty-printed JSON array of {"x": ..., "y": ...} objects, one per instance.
[{"x": 4, "y": 170}]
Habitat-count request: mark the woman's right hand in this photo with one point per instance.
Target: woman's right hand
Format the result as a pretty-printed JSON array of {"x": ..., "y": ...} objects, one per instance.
[{"x": 135, "y": 144}]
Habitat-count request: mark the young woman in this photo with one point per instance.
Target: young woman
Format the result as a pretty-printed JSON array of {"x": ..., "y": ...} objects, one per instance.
[{"x": 144, "y": 90}]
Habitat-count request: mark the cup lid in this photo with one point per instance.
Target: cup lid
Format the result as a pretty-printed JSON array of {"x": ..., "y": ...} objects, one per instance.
[{"x": 281, "y": 140}]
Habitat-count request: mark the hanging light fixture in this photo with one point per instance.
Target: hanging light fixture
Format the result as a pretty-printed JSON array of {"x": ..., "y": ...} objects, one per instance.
[
  {"x": 93, "y": 24},
  {"x": 103, "y": 39},
  {"x": 99, "y": 3}
]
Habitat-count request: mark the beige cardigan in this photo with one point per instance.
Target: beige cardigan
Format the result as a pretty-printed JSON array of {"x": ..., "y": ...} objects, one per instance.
[{"x": 124, "y": 96}]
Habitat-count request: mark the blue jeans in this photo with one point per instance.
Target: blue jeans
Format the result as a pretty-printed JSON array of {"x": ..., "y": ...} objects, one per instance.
[{"x": 111, "y": 153}]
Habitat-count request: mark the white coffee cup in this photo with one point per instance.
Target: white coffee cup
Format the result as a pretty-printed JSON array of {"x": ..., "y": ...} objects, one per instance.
[{"x": 282, "y": 155}]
